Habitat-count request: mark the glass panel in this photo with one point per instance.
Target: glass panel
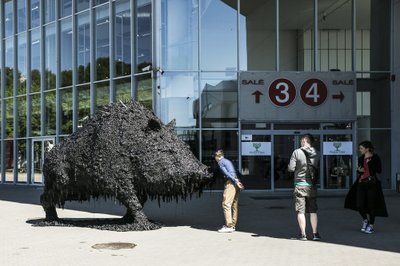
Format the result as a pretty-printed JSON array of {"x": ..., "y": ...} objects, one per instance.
[
  {"x": 123, "y": 44},
  {"x": 219, "y": 93},
  {"x": 179, "y": 35},
  {"x": 373, "y": 20},
  {"x": 219, "y": 35},
  {"x": 338, "y": 170},
  {"x": 258, "y": 35},
  {"x": 256, "y": 125},
  {"x": 83, "y": 46},
  {"x": 50, "y": 57},
  {"x": 35, "y": 115},
  {"x": 66, "y": 55},
  {"x": 9, "y": 67},
  {"x": 284, "y": 145},
  {"x": 180, "y": 99},
  {"x": 49, "y": 10},
  {"x": 21, "y": 18},
  {"x": 9, "y": 118},
  {"x": 374, "y": 101},
  {"x": 334, "y": 19},
  {"x": 191, "y": 137},
  {"x": 296, "y": 34},
  {"x": 256, "y": 170},
  {"x": 22, "y": 163},
  {"x": 37, "y": 161},
  {"x": 102, "y": 43},
  {"x": 66, "y": 114},
  {"x": 8, "y": 18},
  {"x": 98, "y": 2},
  {"x": 50, "y": 115},
  {"x": 35, "y": 13},
  {"x": 123, "y": 89},
  {"x": 382, "y": 147},
  {"x": 83, "y": 104},
  {"x": 82, "y": 5},
  {"x": 102, "y": 92},
  {"x": 144, "y": 36},
  {"x": 217, "y": 140},
  {"x": 65, "y": 8},
  {"x": 22, "y": 64},
  {"x": 9, "y": 160},
  {"x": 145, "y": 91},
  {"x": 35, "y": 61},
  {"x": 21, "y": 103}
]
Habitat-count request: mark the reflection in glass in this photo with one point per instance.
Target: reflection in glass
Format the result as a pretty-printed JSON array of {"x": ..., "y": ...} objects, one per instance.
[
  {"x": 83, "y": 104},
  {"x": 144, "y": 36},
  {"x": 21, "y": 104},
  {"x": 216, "y": 140},
  {"x": 82, "y": 5},
  {"x": 191, "y": 138},
  {"x": 180, "y": 99},
  {"x": 35, "y": 115},
  {"x": 8, "y": 18},
  {"x": 50, "y": 115},
  {"x": 66, "y": 111},
  {"x": 98, "y": 2},
  {"x": 122, "y": 38},
  {"x": 9, "y": 67},
  {"x": 50, "y": 57},
  {"x": 66, "y": 55},
  {"x": 102, "y": 92},
  {"x": 35, "y": 60},
  {"x": 102, "y": 43},
  {"x": 218, "y": 35},
  {"x": 49, "y": 10},
  {"x": 180, "y": 35},
  {"x": 258, "y": 35},
  {"x": 9, "y": 118},
  {"x": 22, "y": 64},
  {"x": 219, "y": 98},
  {"x": 21, "y": 17},
  {"x": 22, "y": 164},
  {"x": 65, "y": 8},
  {"x": 9, "y": 160},
  {"x": 284, "y": 145},
  {"x": 83, "y": 47},
  {"x": 296, "y": 35},
  {"x": 145, "y": 91},
  {"x": 123, "y": 89},
  {"x": 35, "y": 13}
]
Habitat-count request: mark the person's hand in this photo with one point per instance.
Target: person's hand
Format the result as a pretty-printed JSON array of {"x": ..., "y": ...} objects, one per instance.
[
  {"x": 360, "y": 169},
  {"x": 240, "y": 185}
]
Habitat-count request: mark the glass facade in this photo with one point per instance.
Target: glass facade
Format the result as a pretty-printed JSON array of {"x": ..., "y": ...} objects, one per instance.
[{"x": 63, "y": 60}]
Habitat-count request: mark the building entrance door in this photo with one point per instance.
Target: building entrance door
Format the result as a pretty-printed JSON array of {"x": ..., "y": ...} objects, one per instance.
[{"x": 39, "y": 149}]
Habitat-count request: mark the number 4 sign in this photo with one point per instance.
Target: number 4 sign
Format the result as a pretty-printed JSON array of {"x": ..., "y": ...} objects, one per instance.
[{"x": 313, "y": 92}]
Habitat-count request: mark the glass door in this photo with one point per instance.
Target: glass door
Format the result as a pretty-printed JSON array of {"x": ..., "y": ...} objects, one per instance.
[
  {"x": 256, "y": 160},
  {"x": 39, "y": 149}
]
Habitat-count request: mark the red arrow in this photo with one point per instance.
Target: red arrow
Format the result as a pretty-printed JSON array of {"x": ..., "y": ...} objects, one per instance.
[
  {"x": 257, "y": 94},
  {"x": 338, "y": 96}
]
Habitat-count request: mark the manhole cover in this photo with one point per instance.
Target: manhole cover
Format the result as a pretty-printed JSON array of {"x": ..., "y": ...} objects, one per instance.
[{"x": 114, "y": 245}]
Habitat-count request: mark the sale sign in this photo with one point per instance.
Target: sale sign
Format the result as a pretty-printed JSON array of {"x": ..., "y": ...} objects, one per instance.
[{"x": 298, "y": 96}]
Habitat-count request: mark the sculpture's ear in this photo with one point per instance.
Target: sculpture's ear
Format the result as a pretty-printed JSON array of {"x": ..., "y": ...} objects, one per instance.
[
  {"x": 171, "y": 125},
  {"x": 154, "y": 125}
]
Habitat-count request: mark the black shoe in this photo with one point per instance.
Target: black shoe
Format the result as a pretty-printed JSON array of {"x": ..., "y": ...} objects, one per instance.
[
  {"x": 302, "y": 237},
  {"x": 316, "y": 237}
]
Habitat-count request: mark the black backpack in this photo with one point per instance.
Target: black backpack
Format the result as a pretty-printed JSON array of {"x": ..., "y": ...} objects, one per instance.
[{"x": 312, "y": 170}]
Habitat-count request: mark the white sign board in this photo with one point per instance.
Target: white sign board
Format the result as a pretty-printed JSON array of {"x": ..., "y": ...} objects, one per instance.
[
  {"x": 338, "y": 148},
  {"x": 256, "y": 148},
  {"x": 298, "y": 96}
]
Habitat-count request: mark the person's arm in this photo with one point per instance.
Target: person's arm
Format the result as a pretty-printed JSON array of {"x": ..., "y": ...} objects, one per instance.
[
  {"x": 292, "y": 163},
  {"x": 228, "y": 170}
]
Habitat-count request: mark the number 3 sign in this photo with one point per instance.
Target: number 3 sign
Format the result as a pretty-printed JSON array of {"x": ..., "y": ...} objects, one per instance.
[{"x": 282, "y": 92}]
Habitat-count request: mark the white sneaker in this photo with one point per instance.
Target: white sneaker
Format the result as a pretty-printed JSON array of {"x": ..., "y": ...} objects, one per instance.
[
  {"x": 226, "y": 229},
  {"x": 364, "y": 225}
]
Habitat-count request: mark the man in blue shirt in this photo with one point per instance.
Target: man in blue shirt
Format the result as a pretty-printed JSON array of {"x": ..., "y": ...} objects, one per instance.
[{"x": 230, "y": 201}]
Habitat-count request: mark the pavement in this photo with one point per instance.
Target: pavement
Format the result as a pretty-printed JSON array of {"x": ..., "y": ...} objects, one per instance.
[{"x": 265, "y": 234}]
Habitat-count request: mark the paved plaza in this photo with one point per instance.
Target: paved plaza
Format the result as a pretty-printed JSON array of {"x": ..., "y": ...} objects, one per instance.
[{"x": 265, "y": 234}]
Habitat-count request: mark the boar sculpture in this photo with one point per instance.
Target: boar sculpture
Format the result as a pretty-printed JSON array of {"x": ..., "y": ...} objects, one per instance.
[{"x": 126, "y": 153}]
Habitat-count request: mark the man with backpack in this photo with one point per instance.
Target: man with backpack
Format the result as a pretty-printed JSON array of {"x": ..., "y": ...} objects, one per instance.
[{"x": 304, "y": 163}]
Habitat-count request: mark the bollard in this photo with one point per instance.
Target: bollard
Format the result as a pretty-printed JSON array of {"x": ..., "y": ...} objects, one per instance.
[{"x": 398, "y": 182}]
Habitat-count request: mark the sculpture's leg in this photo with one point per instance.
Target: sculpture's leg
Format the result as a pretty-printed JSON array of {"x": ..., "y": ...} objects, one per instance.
[
  {"x": 134, "y": 213},
  {"x": 49, "y": 207}
]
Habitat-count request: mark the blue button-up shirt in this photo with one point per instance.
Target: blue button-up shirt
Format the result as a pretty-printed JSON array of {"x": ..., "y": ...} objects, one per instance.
[{"x": 227, "y": 169}]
